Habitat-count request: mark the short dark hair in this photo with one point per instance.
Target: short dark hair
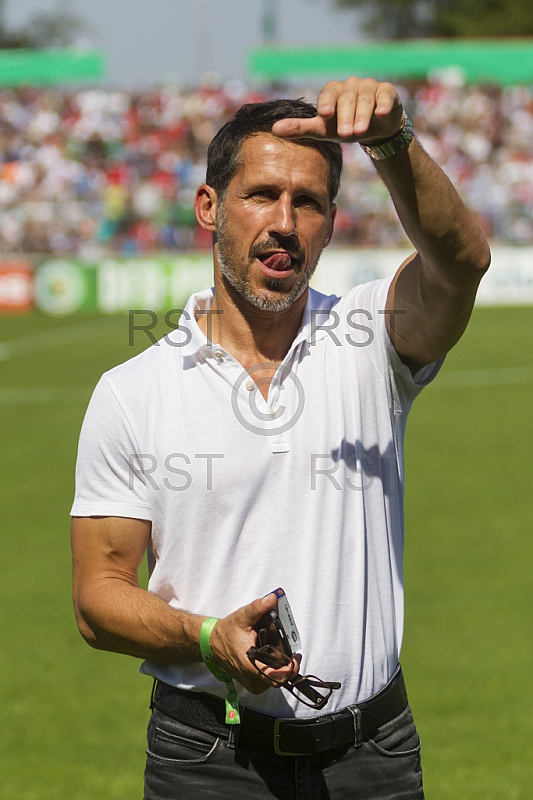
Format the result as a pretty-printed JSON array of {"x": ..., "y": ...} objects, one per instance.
[{"x": 224, "y": 152}]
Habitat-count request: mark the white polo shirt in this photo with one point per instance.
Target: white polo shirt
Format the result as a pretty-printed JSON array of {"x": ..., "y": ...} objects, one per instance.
[{"x": 303, "y": 491}]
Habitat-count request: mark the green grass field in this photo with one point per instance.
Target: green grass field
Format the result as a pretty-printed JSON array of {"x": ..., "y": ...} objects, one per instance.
[{"x": 73, "y": 720}]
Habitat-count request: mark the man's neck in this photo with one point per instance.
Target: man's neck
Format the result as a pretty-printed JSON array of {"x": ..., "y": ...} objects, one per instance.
[{"x": 251, "y": 336}]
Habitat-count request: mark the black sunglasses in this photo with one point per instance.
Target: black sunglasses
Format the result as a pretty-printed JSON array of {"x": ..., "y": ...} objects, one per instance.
[{"x": 302, "y": 687}]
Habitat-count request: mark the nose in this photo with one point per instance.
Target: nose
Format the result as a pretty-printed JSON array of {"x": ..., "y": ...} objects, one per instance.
[{"x": 283, "y": 216}]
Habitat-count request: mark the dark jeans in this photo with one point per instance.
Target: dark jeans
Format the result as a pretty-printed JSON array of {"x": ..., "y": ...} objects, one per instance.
[{"x": 184, "y": 762}]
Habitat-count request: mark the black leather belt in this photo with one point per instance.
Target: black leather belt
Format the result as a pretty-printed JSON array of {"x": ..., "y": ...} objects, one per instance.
[{"x": 287, "y": 737}]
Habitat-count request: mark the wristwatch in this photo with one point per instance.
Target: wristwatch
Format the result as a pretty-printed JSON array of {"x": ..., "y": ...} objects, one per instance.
[{"x": 399, "y": 142}]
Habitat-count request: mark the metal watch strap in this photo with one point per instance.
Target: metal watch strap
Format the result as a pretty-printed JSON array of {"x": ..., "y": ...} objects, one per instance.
[{"x": 403, "y": 139}]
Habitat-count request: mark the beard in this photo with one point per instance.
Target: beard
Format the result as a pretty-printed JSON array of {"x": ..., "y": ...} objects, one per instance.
[{"x": 272, "y": 296}]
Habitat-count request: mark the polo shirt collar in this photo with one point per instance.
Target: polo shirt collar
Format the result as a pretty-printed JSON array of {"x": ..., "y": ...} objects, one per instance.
[{"x": 189, "y": 339}]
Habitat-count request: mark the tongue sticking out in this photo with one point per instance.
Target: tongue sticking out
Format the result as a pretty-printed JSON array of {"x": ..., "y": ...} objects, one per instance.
[{"x": 278, "y": 261}]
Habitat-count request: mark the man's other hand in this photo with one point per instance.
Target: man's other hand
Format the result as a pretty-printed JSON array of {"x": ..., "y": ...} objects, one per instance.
[
  {"x": 233, "y": 635},
  {"x": 354, "y": 110}
]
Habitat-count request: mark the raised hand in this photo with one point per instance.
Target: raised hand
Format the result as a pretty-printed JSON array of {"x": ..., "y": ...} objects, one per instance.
[{"x": 355, "y": 110}]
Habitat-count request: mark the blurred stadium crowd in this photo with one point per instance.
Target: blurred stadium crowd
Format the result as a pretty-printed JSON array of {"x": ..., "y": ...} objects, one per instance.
[{"x": 95, "y": 172}]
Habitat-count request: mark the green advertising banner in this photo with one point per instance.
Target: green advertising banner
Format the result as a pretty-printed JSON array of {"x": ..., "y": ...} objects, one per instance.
[
  {"x": 19, "y": 67},
  {"x": 502, "y": 61},
  {"x": 64, "y": 286}
]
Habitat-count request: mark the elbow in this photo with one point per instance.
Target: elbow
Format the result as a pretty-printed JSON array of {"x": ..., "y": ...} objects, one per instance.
[
  {"x": 472, "y": 264},
  {"x": 87, "y": 631},
  {"x": 482, "y": 257},
  {"x": 88, "y": 634},
  {"x": 479, "y": 252}
]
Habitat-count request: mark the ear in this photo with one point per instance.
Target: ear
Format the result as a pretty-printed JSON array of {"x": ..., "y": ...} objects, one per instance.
[
  {"x": 332, "y": 215},
  {"x": 205, "y": 206}
]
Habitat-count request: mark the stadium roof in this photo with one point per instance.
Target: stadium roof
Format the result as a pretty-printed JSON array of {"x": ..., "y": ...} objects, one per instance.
[
  {"x": 19, "y": 67},
  {"x": 500, "y": 61}
]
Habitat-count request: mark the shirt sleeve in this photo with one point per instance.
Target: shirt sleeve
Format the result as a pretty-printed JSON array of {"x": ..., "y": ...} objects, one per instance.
[
  {"x": 366, "y": 313},
  {"x": 109, "y": 477}
]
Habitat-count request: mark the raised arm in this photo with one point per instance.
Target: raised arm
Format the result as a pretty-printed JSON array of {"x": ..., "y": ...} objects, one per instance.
[
  {"x": 433, "y": 292},
  {"x": 114, "y": 613}
]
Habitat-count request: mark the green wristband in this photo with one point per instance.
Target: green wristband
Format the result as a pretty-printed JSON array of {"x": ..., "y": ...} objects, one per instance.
[
  {"x": 232, "y": 698},
  {"x": 205, "y": 649}
]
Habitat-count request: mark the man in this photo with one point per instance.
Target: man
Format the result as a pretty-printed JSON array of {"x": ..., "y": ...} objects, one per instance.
[{"x": 260, "y": 445}]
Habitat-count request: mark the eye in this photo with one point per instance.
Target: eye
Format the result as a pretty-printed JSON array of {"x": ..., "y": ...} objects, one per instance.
[
  {"x": 306, "y": 201},
  {"x": 262, "y": 194}
]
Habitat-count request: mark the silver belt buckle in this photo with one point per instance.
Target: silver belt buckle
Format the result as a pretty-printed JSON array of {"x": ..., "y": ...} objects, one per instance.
[{"x": 277, "y": 736}]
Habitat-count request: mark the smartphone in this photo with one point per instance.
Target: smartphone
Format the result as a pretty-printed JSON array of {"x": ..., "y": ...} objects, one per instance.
[{"x": 278, "y": 628}]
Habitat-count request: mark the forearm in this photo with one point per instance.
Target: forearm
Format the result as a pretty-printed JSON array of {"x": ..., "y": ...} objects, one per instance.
[
  {"x": 113, "y": 613},
  {"x": 117, "y": 616},
  {"x": 440, "y": 226}
]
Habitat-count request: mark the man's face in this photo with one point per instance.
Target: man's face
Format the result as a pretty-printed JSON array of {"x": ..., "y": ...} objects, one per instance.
[{"x": 274, "y": 221}]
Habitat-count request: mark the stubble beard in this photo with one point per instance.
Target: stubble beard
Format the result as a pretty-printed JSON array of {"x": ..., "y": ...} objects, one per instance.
[{"x": 239, "y": 280}]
